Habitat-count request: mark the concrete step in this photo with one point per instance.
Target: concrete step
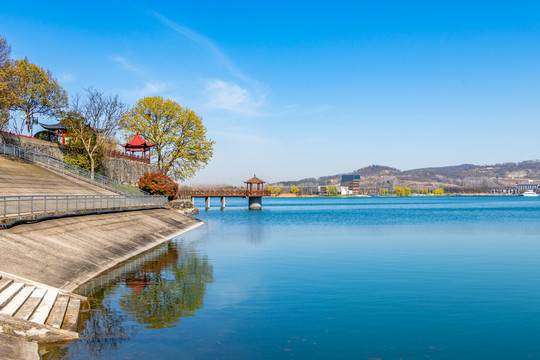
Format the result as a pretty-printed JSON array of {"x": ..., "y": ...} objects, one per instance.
[
  {"x": 17, "y": 301},
  {"x": 4, "y": 283},
  {"x": 42, "y": 312},
  {"x": 72, "y": 315},
  {"x": 31, "y": 304},
  {"x": 56, "y": 317},
  {"x": 9, "y": 293}
]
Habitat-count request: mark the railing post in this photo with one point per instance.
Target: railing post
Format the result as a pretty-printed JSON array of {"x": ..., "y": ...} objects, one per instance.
[
  {"x": 19, "y": 207},
  {"x": 56, "y": 202},
  {"x": 32, "y": 205}
]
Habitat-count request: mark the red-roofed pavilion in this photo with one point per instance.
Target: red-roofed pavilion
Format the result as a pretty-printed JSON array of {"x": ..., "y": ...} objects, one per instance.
[
  {"x": 254, "y": 181},
  {"x": 138, "y": 144}
]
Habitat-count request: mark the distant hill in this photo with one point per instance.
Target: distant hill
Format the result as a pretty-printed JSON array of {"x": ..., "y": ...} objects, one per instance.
[{"x": 459, "y": 178}]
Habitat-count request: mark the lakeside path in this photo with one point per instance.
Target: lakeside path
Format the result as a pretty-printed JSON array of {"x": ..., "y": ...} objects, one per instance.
[{"x": 65, "y": 253}]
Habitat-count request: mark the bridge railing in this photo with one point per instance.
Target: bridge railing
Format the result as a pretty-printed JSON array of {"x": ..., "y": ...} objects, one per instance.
[
  {"x": 22, "y": 206},
  {"x": 223, "y": 193},
  {"x": 70, "y": 169}
]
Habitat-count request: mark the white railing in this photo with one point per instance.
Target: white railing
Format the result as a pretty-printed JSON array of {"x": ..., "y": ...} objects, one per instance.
[
  {"x": 22, "y": 206},
  {"x": 70, "y": 169}
]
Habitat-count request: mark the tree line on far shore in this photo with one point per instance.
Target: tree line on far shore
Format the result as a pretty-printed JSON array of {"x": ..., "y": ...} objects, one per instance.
[
  {"x": 93, "y": 119},
  {"x": 332, "y": 190}
]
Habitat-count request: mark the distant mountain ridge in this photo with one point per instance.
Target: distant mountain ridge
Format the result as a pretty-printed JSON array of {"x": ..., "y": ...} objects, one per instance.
[{"x": 454, "y": 178}]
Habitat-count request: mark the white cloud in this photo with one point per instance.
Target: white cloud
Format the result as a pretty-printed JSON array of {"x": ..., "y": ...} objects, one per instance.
[
  {"x": 66, "y": 77},
  {"x": 224, "y": 95},
  {"x": 202, "y": 41},
  {"x": 151, "y": 88},
  {"x": 126, "y": 64},
  {"x": 243, "y": 137}
]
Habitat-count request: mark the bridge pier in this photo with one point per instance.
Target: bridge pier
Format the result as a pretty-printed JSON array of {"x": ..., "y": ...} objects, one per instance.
[
  {"x": 207, "y": 203},
  {"x": 255, "y": 203},
  {"x": 193, "y": 201},
  {"x": 223, "y": 203}
]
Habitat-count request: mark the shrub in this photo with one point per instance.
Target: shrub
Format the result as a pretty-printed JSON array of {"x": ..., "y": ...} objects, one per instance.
[
  {"x": 438, "y": 192},
  {"x": 158, "y": 184}
]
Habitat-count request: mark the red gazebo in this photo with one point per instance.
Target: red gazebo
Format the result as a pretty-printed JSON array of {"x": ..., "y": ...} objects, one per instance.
[
  {"x": 138, "y": 144},
  {"x": 254, "y": 180}
]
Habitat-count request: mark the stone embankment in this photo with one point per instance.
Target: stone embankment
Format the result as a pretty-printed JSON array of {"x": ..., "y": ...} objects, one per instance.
[{"x": 63, "y": 253}]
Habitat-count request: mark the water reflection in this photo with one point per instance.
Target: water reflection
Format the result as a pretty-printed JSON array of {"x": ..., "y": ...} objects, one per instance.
[
  {"x": 168, "y": 289},
  {"x": 162, "y": 289}
]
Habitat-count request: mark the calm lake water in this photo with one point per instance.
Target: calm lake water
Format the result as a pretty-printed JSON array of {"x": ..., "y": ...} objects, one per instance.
[{"x": 345, "y": 278}]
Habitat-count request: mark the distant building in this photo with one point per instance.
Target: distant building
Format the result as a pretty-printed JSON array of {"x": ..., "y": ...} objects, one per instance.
[
  {"x": 342, "y": 190},
  {"x": 525, "y": 187},
  {"x": 352, "y": 183}
]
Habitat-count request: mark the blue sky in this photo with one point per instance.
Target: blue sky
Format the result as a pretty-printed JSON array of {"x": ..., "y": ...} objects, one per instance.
[{"x": 299, "y": 89}]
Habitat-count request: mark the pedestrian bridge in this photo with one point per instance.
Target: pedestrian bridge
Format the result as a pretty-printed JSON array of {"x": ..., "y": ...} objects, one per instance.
[{"x": 254, "y": 196}]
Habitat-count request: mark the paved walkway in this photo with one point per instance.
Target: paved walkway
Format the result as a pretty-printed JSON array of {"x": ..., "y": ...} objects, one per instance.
[{"x": 19, "y": 177}]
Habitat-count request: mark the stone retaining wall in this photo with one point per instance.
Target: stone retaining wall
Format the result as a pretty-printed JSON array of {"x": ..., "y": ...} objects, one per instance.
[
  {"x": 126, "y": 171},
  {"x": 123, "y": 170},
  {"x": 45, "y": 147}
]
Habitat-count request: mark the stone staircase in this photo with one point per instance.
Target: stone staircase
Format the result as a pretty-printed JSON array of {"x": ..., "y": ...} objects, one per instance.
[{"x": 38, "y": 304}]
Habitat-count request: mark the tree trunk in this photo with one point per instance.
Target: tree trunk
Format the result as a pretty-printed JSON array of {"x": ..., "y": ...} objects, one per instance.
[
  {"x": 91, "y": 167},
  {"x": 28, "y": 124}
]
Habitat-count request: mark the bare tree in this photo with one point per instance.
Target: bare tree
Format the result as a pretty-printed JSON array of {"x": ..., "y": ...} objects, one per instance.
[{"x": 94, "y": 120}]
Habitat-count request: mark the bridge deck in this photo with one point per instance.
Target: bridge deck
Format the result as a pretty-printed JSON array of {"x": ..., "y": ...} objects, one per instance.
[{"x": 224, "y": 193}]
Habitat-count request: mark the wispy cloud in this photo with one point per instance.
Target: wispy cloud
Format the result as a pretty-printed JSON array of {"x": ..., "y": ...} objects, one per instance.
[
  {"x": 202, "y": 41},
  {"x": 243, "y": 137},
  {"x": 316, "y": 110},
  {"x": 151, "y": 88},
  {"x": 148, "y": 89},
  {"x": 66, "y": 77},
  {"x": 314, "y": 140},
  {"x": 230, "y": 96},
  {"x": 126, "y": 64}
]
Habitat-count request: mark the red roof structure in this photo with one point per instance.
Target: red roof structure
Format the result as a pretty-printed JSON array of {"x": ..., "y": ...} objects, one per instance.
[
  {"x": 254, "y": 180},
  {"x": 138, "y": 144}
]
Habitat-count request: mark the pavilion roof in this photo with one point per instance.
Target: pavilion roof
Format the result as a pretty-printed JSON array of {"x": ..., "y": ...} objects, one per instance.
[
  {"x": 53, "y": 127},
  {"x": 254, "y": 180},
  {"x": 137, "y": 143}
]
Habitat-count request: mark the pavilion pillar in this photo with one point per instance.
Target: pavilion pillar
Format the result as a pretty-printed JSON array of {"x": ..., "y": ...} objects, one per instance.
[
  {"x": 207, "y": 203},
  {"x": 223, "y": 203}
]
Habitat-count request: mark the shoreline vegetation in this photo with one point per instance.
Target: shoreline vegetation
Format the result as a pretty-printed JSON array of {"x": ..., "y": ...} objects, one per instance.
[{"x": 391, "y": 195}]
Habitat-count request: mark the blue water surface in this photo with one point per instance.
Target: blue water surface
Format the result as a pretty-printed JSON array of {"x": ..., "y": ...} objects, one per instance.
[{"x": 332, "y": 278}]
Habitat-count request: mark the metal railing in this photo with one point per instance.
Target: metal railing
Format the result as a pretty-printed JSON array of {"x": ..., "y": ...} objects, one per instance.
[
  {"x": 70, "y": 169},
  {"x": 22, "y": 206},
  {"x": 223, "y": 193}
]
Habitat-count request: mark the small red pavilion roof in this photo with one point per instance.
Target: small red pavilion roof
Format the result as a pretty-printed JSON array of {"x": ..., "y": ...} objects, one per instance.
[
  {"x": 137, "y": 143},
  {"x": 254, "y": 180}
]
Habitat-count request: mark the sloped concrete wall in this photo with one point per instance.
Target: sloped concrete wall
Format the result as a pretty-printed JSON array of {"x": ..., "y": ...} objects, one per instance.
[{"x": 67, "y": 252}]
